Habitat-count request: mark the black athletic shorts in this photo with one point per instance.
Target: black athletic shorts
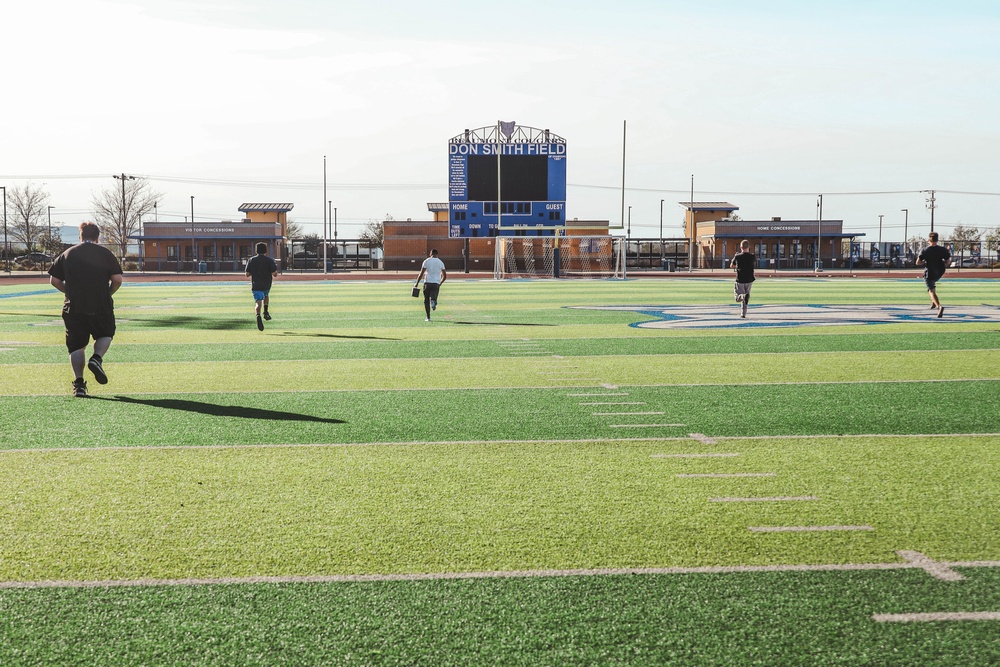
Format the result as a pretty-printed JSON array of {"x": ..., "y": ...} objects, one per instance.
[
  {"x": 431, "y": 291},
  {"x": 80, "y": 329},
  {"x": 931, "y": 278}
]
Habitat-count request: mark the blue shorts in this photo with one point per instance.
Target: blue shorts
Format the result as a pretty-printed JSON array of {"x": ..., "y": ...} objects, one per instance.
[{"x": 259, "y": 295}]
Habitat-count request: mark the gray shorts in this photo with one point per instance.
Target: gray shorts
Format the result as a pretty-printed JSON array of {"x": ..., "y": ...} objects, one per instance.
[{"x": 741, "y": 290}]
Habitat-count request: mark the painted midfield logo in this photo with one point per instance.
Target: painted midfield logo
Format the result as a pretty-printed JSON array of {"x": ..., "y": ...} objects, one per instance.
[{"x": 724, "y": 317}]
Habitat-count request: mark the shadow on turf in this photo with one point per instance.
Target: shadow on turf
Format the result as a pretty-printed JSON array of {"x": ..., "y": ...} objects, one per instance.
[
  {"x": 323, "y": 335},
  {"x": 507, "y": 324},
  {"x": 219, "y": 410},
  {"x": 188, "y": 322}
]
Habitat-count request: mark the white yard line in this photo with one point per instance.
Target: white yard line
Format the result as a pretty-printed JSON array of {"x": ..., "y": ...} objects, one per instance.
[
  {"x": 763, "y": 499},
  {"x": 512, "y": 574},
  {"x": 938, "y": 616}
]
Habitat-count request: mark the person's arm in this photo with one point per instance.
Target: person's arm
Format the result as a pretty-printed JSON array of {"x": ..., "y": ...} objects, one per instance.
[
  {"x": 116, "y": 282},
  {"x": 58, "y": 284},
  {"x": 444, "y": 275},
  {"x": 423, "y": 270}
]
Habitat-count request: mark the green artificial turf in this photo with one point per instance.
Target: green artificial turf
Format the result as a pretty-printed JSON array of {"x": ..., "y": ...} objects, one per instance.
[
  {"x": 793, "y": 619},
  {"x": 352, "y": 438}
]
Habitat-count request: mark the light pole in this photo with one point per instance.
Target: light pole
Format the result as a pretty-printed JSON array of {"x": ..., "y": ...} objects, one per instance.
[
  {"x": 880, "y": 233},
  {"x": 819, "y": 234},
  {"x": 6, "y": 253},
  {"x": 50, "y": 229},
  {"x": 628, "y": 231},
  {"x": 194, "y": 247},
  {"x": 661, "y": 232},
  {"x": 906, "y": 240}
]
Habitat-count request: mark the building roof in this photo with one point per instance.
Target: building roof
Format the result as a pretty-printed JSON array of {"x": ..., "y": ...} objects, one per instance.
[
  {"x": 710, "y": 206},
  {"x": 437, "y": 207},
  {"x": 266, "y": 208}
]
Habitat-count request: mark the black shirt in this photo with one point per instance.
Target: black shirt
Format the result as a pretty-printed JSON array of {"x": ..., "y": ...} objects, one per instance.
[
  {"x": 86, "y": 269},
  {"x": 261, "y": 270},
  {"x": 744, "y": 262},
  {"x": 936, "y": 258}
]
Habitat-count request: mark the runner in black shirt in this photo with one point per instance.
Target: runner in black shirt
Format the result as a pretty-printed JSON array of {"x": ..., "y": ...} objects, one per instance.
[
  {"x": 935, "y": 259},
  {"x": 743, "y": 263}
]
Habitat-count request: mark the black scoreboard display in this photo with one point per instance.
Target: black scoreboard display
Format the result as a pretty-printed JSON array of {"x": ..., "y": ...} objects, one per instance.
[{"x": 506, "y": 181}]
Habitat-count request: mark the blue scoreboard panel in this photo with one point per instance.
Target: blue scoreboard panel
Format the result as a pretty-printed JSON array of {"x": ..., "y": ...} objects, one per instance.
[{"x": 532, "y": 183}]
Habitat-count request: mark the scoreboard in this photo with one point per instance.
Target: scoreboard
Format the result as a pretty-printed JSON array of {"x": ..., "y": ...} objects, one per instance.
[{"x": 514, "y": 186}]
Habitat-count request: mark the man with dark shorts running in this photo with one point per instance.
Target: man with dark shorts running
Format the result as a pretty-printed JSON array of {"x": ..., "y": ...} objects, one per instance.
[
  {"x": 935, "y": 259},
  {"x": 743, "y": 262},
  {"x": 88, "y": 274}
]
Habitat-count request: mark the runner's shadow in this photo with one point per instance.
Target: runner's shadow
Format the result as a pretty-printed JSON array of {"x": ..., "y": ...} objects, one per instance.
[
  {"x": 220, "y": 410},
  {"x": 323, "y": 335},
  {"x": 508, "y": 324}
]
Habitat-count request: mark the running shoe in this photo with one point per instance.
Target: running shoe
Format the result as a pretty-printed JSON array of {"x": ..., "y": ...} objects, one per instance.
[{"x": 97, "y": 369}]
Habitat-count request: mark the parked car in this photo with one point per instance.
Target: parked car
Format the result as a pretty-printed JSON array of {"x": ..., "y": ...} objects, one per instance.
[
  {"x": 965, "y": 263},
  {"x": 33, "y": 258}
]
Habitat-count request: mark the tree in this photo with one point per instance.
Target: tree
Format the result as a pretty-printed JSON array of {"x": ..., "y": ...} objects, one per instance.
[
  {"x": 119, "y": 208},
  {"x": 373, "y": 232},
  {"x": 993, "y": 241},
  {"x": 27, "y": 207},
  {"x": 963, "y": 237},
  {"x": 293, "y": 230}
]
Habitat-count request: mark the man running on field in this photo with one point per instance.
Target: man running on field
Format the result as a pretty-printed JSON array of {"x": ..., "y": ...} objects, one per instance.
[{"x": 743, "y": 263}]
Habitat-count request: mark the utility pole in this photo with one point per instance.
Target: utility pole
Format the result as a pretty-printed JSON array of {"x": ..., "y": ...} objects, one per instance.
[
  {"x": 6, "y": 250},
  {"x": 931, "y": 205},
  {"x": 124, "y": 177}
]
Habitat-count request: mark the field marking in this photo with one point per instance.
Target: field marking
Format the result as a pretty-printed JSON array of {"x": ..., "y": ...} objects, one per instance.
[
  {"x": 703, "y": 439},
  {"x": 763, "y": 499},
  {"x": 930, "y": 566},
  {"x": 624, "y": 393},
  {"x": 624, "y": 414},
  {"x": 540, "y": 441},
  {"x": 489, "y": 574},
  {"x": 641, "y": 425},
  {"x": 806, "y": 529},
  {"x": 692, "y": 456},
  {"x": 618, "y": 403},
  {"x": 724, "y": 475},
  {"x": 938, "y": 616}
]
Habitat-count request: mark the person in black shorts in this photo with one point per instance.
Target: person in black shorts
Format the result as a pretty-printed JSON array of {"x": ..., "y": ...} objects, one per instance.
[
  {"x": 743, "y": 262},
  {"x": 261, "y": 270},
  {"x": 88, "y": 274},
  {"x": 935, "y": 260}
]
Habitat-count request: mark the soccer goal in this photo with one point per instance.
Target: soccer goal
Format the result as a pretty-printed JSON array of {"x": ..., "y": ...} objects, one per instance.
[{"x": 559, "y": 257}]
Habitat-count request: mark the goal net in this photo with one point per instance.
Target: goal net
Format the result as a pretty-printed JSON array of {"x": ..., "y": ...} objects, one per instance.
[{"x": 562, "y": 257}]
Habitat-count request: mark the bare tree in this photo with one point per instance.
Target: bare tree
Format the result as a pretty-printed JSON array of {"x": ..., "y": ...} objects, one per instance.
[
  {"x": 374, "y": 232},
  {"x": 118, "y": 209},
  {"x": 27, "y": 207}
]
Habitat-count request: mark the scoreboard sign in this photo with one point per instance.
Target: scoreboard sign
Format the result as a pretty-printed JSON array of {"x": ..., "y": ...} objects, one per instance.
[{"x": 508, "y": 181}]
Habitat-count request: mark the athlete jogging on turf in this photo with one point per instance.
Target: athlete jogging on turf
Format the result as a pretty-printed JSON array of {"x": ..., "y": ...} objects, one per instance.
[
  {"x": 261, "y": 270},
  {"x": 436, "y": 274},
  {"x": 88, "y": 274},
  {"x": 935, "y": 259},
  {"x": 743, "y": 262}
]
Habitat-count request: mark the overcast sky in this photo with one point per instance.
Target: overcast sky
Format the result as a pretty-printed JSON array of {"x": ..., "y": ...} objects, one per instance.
[{"x": 766, "y": 103}]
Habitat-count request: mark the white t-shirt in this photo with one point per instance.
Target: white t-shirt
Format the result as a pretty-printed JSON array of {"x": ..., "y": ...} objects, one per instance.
[{"x": 434, "y": 269}]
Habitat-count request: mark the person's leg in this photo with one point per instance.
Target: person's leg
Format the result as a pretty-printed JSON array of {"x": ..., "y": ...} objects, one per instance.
[
  {"x": 96, "y": 362},
  {"x": 745, "y": 300},
  {"x": 78, "y": 360},
  {"x": 267, "y": 300},
  {"x": 256, "y": 311},
  {"x": 427, "y": 301}
]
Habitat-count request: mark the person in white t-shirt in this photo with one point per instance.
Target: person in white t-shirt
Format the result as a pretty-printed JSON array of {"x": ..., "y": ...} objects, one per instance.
[{"x": 434, "y": 274}]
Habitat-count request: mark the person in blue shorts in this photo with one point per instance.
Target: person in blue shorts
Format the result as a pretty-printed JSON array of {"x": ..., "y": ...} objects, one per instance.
[{"x": 261, "y": 270}]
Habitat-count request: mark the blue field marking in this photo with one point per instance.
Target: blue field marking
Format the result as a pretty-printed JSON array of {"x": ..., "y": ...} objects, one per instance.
[
  {"x": 783, "y": 315},
  {"x": 50, "y": 290}
]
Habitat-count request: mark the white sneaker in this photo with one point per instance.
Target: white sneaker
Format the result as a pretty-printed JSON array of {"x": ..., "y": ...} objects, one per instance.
[{"x": 427, "y": 319}]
